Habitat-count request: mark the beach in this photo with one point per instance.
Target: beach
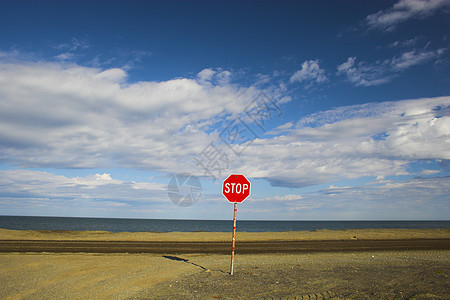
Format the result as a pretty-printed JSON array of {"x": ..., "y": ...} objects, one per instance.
[{"x": 378, "y": 269}]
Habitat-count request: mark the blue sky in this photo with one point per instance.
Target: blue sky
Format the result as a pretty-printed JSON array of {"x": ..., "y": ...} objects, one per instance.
[{"x": 342, "y": 107}]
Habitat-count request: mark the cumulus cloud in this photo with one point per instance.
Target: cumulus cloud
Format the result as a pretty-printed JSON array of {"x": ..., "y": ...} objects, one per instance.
[
  {"x": 404, "y": 10},
  {"x": 214, "y": 76},
  {"x": 112, "y": 75},
  {"x": 65, "y": 115},
  {"x": 206, "y": 75},
  {"x": 310, "y": 72},
  {"x": 375, "y": 139},
  {"x": 69, "y": 116}
]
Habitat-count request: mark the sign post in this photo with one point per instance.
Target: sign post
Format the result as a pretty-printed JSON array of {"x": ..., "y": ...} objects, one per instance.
[
  {"x": 236, "y": 188},
  {"x": 234, "y": 238}
]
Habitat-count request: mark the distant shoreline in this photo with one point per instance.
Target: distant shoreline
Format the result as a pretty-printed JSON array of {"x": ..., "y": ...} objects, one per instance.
[{"x": 204, "y": 236}]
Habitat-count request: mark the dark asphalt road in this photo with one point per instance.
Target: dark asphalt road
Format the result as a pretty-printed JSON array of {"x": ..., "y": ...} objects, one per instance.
[{"x": 220, "y": 247}]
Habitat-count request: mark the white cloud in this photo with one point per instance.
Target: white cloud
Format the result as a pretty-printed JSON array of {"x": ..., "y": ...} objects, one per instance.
[
  {"x": 363, "y": 74},
  {"x": 290, "y": 197},
  {"x": 405, "y": 43},
  {"x": 412, "y": 58},
  {"x": 310, "y": 72},
  {"x": 65, "y": 56},
  {"x": 262, "y": 79},
  {"x": 407, "y": 199},
  {"x": 281, "y": 129},
  {"x": 68, "y": 116},
  {"x": 224, "y": 77},
  {"x": 214, "y": 77},
  {"x": 41, "y": 192},
  {"x": 382, "y": 71},
  {"x": 206, "y": 75},
  {"x": 375, "y": 139},
  {"x": 71, "y": 49},
  {"x": 73, "y": 45},
  {"x": 112, "y": 75},
  {"x": 415, "y": 198},
  {"x": 35, "y": 184},
  {"x": 65, "y": 115},
  {"x": 405, "y": 10},
  {"x": 430, "y": 172}
]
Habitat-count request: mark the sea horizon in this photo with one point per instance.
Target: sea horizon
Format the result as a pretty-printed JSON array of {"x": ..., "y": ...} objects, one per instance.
[
  {"x": 256, "y": 220},
  {"x": 195, "y": 225}
]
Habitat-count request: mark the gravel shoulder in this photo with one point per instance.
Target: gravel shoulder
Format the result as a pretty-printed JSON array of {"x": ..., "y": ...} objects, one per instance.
[
  {"x": 362, "y": 275},
  {"x": 368, "y": 273},
  {"x": 330, "y": 275}
]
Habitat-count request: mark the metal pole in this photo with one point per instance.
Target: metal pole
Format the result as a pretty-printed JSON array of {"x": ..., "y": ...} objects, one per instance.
[{"x": 234, "y": 238}]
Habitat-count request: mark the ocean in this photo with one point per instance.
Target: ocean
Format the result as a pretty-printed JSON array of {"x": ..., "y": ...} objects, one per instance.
[{"x": 159, "y": 225}]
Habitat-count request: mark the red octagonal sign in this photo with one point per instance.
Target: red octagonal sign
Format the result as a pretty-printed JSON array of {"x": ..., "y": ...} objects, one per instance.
[{"x": 236, "y": 188}]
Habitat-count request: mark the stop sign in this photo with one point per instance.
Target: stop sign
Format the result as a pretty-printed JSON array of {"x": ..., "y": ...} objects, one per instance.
[{"x": 236, "y": 188}]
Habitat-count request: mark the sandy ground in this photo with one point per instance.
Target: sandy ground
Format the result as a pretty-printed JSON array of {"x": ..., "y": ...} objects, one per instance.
[
  {"x": 370, "y": 274},
  {"x": 83, "y": 276},
  {"x": 371, "y": 234},
  {"x": 359, "y": 275}
]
